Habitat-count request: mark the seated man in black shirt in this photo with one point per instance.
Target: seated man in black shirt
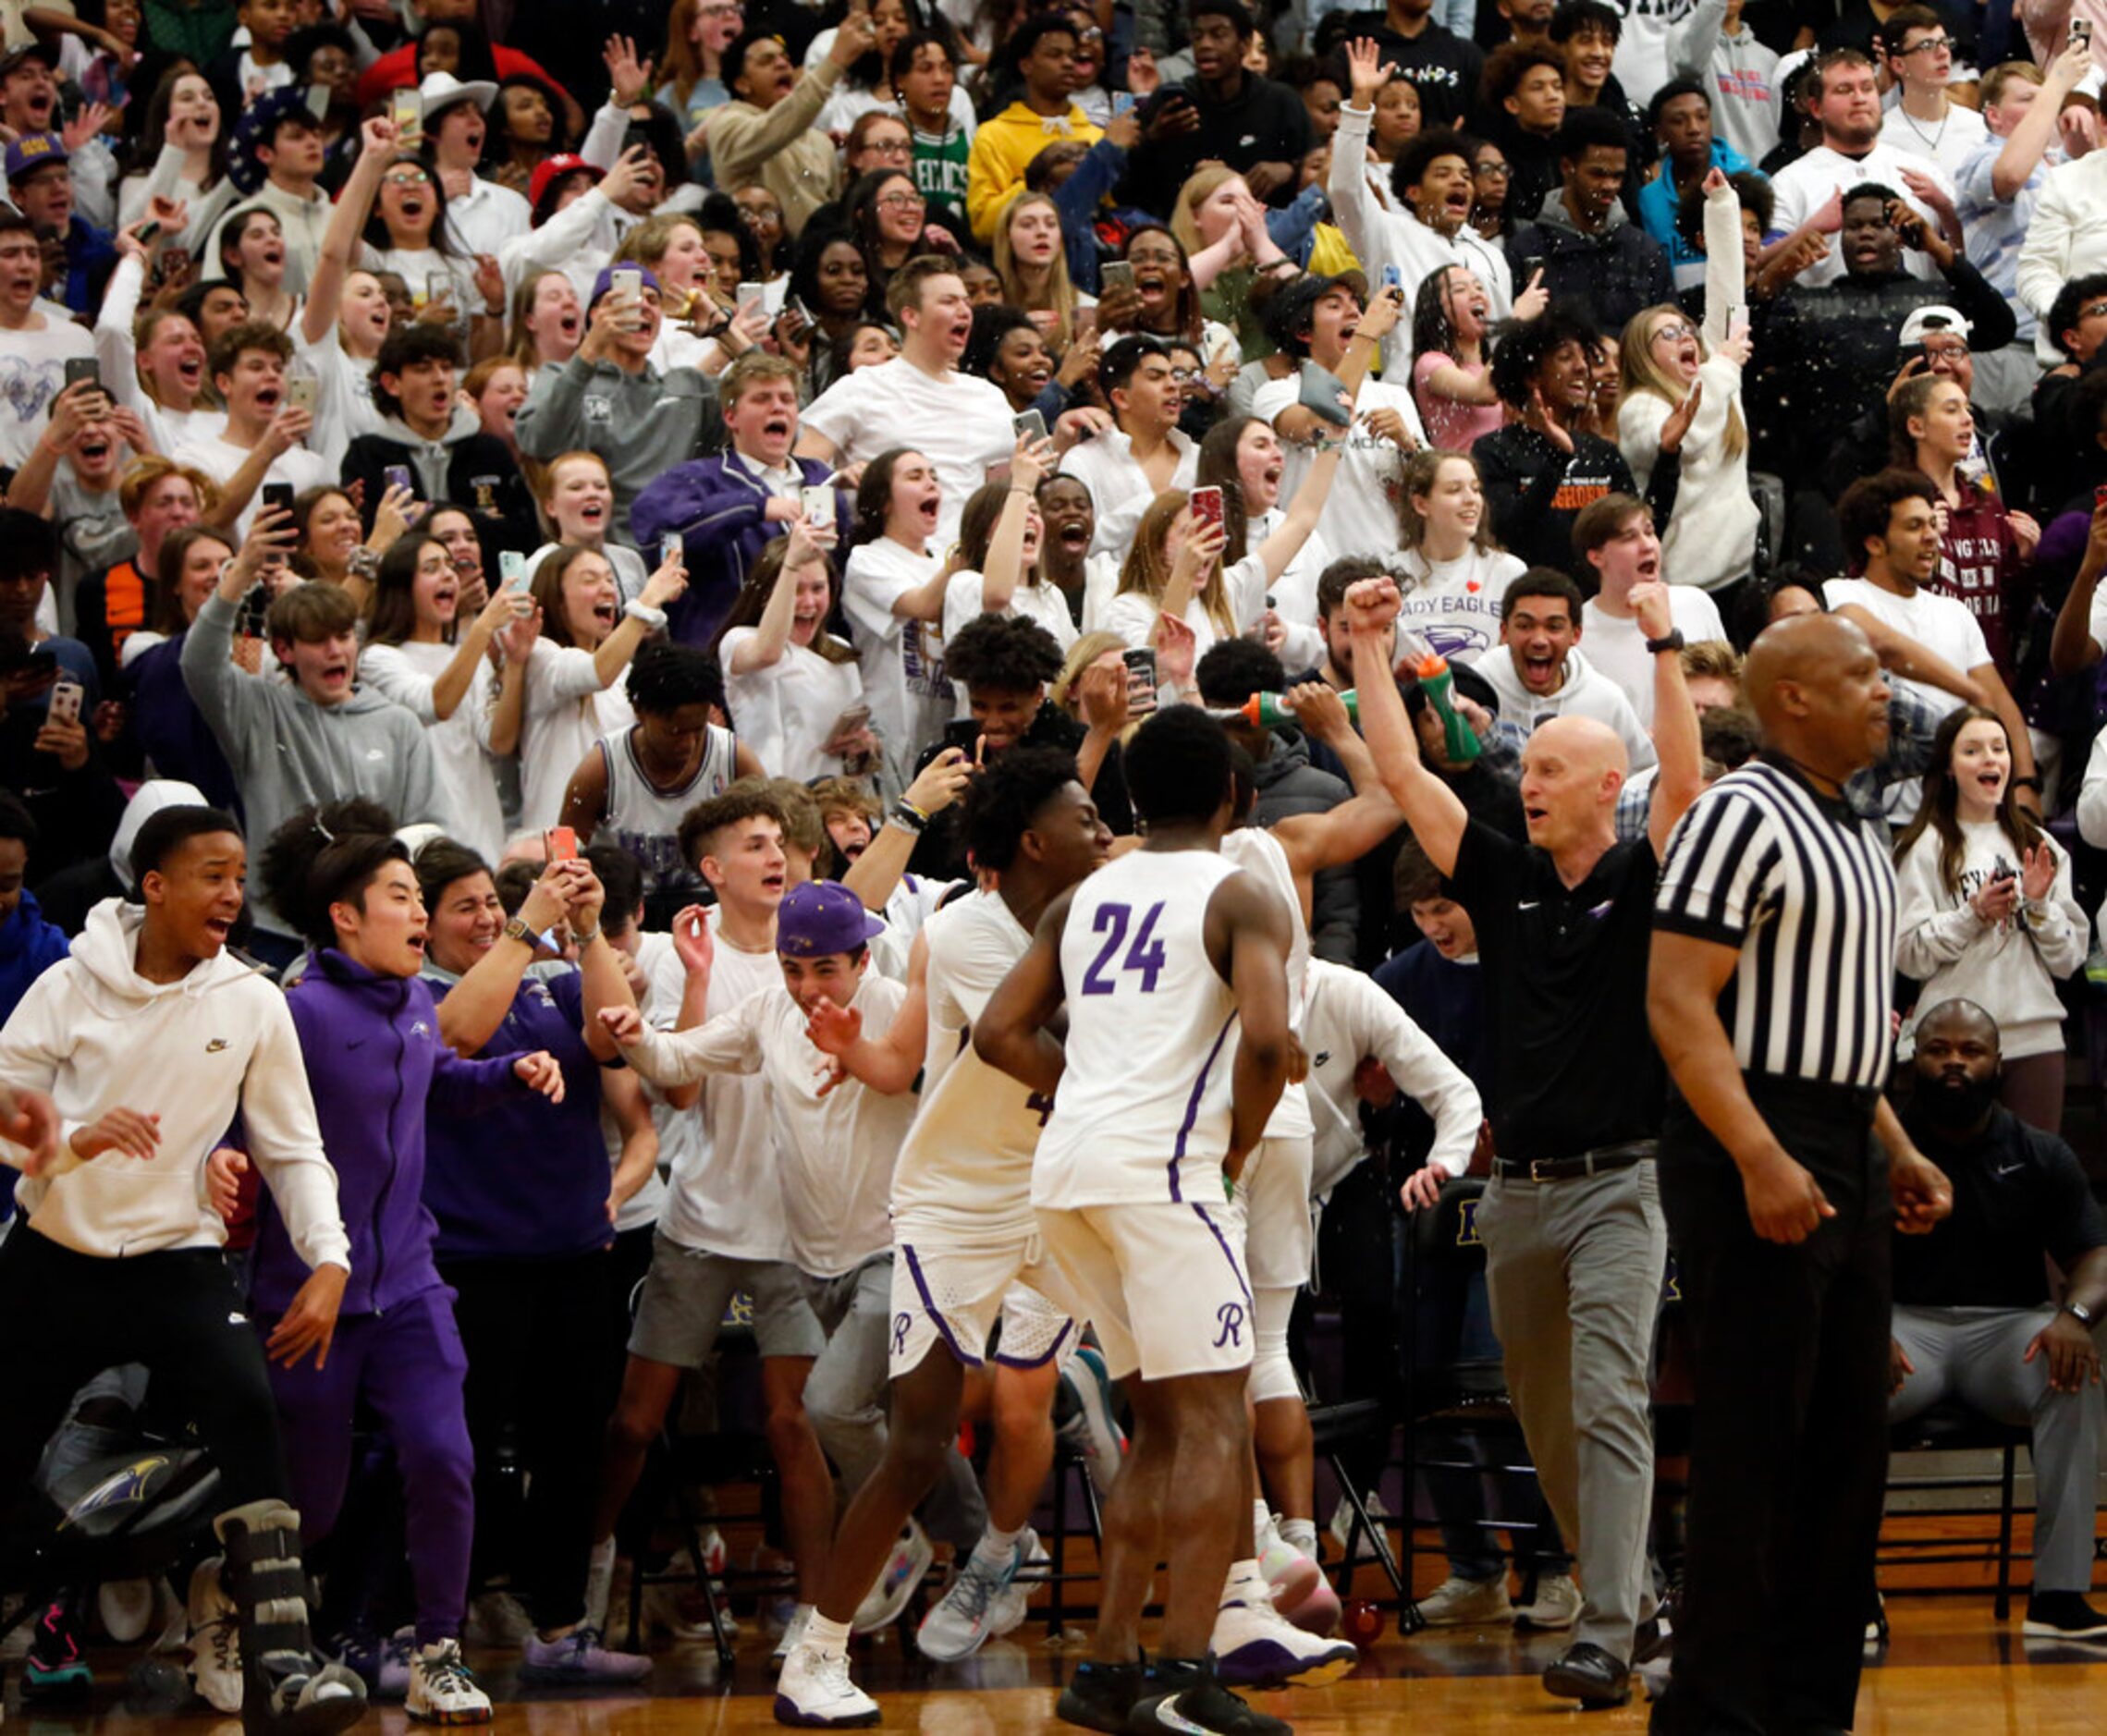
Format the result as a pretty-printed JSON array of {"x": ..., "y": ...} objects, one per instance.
[
  {"x": 1005, "y": 663},
  {"x": 1256, "y": 126},
  {"x": 1972, "y": 1313}
]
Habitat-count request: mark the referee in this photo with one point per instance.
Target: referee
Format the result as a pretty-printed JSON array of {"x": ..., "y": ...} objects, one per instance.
[{"x": 1770, "y": 992}]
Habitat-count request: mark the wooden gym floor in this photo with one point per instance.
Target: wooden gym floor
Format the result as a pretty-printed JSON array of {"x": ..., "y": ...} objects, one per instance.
[{"x": 1948, "y": 1669}]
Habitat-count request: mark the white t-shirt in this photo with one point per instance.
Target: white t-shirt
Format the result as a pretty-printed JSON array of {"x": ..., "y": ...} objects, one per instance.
[
  {"x": 1041, "y": 603},
  {"x": 833, "y": 1154},
  {"x": 725, "y": 1194},
  {"x": 32, "y": 373},
  {"x": 344, "y": 407},
  {"x": 904, "y": 661},
  {"x": 786, "y": 712},
  {"x": 960, "y": 423},
  {"x": 567, "y": 711},
  {"x": 1617, "y": 648},
  {"x": 1949, "y": 142},
  {"x": 220, "y": 459},
  {"x": 468, "y": 781},
  {"x": 1360, "y": 515},
  {"x": 1804, "y": 184},
  {"x": 1454, "y": 605},
  {"x": 486, "y": 216},
  {"x": 1119, "y": 489},
  {"x": 1943, "y": 626},
  {"x": 1133, "y": 614}
]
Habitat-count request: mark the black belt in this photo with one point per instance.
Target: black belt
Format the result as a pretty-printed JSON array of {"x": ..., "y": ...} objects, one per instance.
[{"x": 1602, "y": 1161}]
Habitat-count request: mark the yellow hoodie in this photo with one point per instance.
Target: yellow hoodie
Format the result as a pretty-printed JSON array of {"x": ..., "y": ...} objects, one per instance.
[{"x": 1001, "y": 150}]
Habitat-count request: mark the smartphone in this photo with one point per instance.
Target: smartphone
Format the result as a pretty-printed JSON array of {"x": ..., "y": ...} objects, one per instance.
[
  {"x": 1530, "y": 267},
  {"x": 512, "y": 571},
  {"x": 2082, "y": 32},
  {"x": 79, "y": 368},
  {"x": 819, "y": 506},
  {"x": 438, "y": 287},
  {"x": 562, "y": 843},
  {"x": 406, "y": 109},
  {"x": 1737, "y": 320},
  {"x": 318, "y": 100},
  {"x": 1031, "y": 422},
  {"x": 625, "y": 283},
  {"x": 795, "y": 304},
  {"x": 671, "y": 548},
  {"x": 303, "y": 391},
  {"x": 850, "y": 721},
  {"x": 1206, "y": 507},
  {"x": 1141, "y": 677},
  {"x": 66, "y": 701},
  {"x": 149, "y": 232},
  {"x": 399, "y": 476},
  {"x": 2100, "y": 496},
  {"x": 1115, "y": 273},
  {"x": 278, "y": 497},
  {"x": 1392, "y": 278},
  {"x": 753, "y": 294}
]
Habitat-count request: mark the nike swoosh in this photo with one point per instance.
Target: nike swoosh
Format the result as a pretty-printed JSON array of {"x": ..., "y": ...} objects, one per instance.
[
  {"x": 1526, "y": 904},
  {"x": 1169, "y": 1717},
  {"x": 2011, "y": 1169}
]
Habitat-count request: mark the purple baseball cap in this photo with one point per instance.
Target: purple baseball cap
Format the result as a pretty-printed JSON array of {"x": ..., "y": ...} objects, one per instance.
[{"x": 821, "y": 917}]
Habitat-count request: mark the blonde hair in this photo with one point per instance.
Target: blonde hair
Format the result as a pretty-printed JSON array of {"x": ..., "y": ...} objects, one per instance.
[
  {"x": 1060, "y": 292},
  {"x": 1085, "y": 652},
  {"x": 1184, "y": 225},
  {"x": 1147, "y": 570},
  {"x": 645, "y": 245},
  {"x": 1639, "y": 373}
]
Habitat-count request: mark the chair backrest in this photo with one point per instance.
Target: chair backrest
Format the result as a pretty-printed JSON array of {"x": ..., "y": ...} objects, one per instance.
[{"x": 1445, "y": 1236}]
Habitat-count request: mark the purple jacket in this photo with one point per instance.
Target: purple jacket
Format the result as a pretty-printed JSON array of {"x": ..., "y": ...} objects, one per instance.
[
  {"x": 375, "y": 1060},
  {"x": 718, "y": 507}
]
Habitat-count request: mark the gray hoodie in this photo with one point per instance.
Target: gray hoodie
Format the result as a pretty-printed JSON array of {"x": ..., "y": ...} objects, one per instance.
[
  {"x": 642, "y": 425},
  {"x": 287, "y": 752},
  {"x": 1585, "y": 692}
]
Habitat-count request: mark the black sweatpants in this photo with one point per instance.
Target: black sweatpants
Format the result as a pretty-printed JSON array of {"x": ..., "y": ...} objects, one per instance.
[
  {"x": 539, "y": 1365},
  {"x": 1789, "y": 1446},
  {"x": 75, "y": 1314}
]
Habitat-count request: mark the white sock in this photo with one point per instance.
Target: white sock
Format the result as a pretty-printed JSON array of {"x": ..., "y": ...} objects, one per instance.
[
  {"x": 1298, "y": 1534},
  {"x": 997, "y": 1548},
  {"x": 1261, "y": 1522},
  {"x": 1247, "y": 1584},
  {"x": 830, "y": 1637}
]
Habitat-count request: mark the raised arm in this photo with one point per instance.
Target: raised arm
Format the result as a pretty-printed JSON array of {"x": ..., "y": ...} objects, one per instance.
[
  {"x": 476, "y": 1006},
  {"x": 1901, "y": 654},
  {"x": 889, "y": 1064},
  {"x": 772, "y": 633},
  {"x": 1278, "y": 551},
  {"x": 1004, "y": 568},
  {"x": 1433, "y": 811},
  {"x": 662, "y": 587},
  {"x": 2072, "y": 647},
  {"x": 347, "y": 222},
  {"x": 874, "y": 874},
  {"x": 1676, "y": 740}
]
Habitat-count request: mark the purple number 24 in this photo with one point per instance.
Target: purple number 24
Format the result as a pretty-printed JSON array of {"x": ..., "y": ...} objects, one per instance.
[{"x": 1146, "y": 954}]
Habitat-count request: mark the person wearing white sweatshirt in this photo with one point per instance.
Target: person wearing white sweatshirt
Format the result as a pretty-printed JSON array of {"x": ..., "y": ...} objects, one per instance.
[
  {"x": 1542, "y": 674},
  {"x": 1682, "y": 396},
  {"x": 1987, "y": 913},
  {"x": 148, "y": 1041}
]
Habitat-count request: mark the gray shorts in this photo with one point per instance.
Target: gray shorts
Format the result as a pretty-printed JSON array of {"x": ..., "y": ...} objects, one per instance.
[{"x": 688, "y": 1292}]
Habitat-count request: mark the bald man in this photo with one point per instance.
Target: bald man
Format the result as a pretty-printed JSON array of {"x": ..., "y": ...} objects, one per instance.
[
  {"x": 1769, "y": 995},
  {"x": 1575, "y": 1238}
]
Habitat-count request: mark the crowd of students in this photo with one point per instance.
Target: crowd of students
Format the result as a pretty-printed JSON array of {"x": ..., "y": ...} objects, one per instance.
[{"x": 630, "y": 582}]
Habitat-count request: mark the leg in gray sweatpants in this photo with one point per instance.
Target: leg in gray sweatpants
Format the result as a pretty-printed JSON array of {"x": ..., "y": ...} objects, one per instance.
[
  {"x": 1974, "y": 1354},
  {"x": 845, "y": 1398},
  {"x": 1573, "y": 1269}
]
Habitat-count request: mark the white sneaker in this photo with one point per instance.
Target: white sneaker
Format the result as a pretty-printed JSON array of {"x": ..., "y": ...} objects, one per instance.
[
  {"x": 1301, "y": 1592},
  {"x": 1462, "y": 1602},
  {"x": 1342, "y": 1526},
  {"x": 599, "y": 1582},
  {"x": 815, "y": 1692},
  {"x": 1557, "y": 1604},
  {"x": 441, "y": 1689},
  {"x": 904, "y": 1569},
  {"x": 497, "y": 1618},
  {"x": 215, "y": 1642},
  {"x": 126, "y": 1606},
  {"x": 1256, "y": 1647},
  {"x": 793, "y": 1634},
  {"x": 983, "y": 1602}
]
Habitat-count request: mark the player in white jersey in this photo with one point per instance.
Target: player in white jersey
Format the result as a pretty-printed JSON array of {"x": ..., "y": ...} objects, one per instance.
[
  {"x": 966, "y": 1239},
  {"x": 1159, "y": 958}
]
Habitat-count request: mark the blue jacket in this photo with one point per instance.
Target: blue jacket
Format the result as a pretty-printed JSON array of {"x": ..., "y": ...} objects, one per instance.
[
  {"x": 172, "y": 731},
  {"x": 375, "y": 1062},
  {"x": 1658, "y": 201},
  {"x": 718, "y": 507},
  {"x": 526, "y": 1179},
  {"x": 29, "y": 947}
]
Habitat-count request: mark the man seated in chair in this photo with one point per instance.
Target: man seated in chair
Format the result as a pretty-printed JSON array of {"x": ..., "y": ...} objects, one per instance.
[{"x": 1972, "y": 1315}]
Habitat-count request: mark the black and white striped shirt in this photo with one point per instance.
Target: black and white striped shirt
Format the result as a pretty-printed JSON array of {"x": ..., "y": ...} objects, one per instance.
[{"x": 1804, "y": 890}]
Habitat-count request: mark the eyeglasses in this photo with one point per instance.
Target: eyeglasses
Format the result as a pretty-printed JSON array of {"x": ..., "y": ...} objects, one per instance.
[
  {"x": 1186, "y": 376},
  {"x": 1930, "y": 45},
  {"x": 903, "y": 201},
  {"x": 1499, "y": 171},
  {"x": 1676, "y": 331},
  {"x": 898, "y": 148},
  {"x": 407, "y": 177}
]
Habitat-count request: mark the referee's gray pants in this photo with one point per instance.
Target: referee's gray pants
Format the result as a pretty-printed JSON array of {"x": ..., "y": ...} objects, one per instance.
[
  {"x": 1573, "y": 1270},
  {"x": 1973, "y": 1354}
]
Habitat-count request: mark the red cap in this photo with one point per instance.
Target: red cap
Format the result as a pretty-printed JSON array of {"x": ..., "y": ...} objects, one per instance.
[{"x": 551, "y": 169}]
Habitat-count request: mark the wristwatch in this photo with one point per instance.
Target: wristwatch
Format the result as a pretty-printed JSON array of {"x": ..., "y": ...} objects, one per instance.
[
  {"x": 2081, "y": 1313},
  {"x": 1672, "y": 642},
  {"x": 517, "y": 930}
]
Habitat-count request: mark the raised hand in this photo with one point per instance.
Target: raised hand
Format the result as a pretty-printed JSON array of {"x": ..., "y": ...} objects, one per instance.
[
  {"x": 833, "y": 1030},
  {"x": 693, "y": 942},
  {"x": 2038, "y": 872},
  {"x": 1367, "y": 71}
]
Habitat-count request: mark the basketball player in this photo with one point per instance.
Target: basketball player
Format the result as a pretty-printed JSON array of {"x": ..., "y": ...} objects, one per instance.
[
  {"x": 1159, "y": 956},
  {"x": 964, "y": 1238}
]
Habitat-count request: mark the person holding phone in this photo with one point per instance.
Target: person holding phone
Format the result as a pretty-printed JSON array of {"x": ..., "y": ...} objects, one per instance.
[
  {"x": 264, "y": 437},
  {"x": 1000, "y": 538}
]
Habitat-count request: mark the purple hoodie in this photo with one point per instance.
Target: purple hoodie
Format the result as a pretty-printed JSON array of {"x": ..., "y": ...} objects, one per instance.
[{"x": 375, "y": 1060}]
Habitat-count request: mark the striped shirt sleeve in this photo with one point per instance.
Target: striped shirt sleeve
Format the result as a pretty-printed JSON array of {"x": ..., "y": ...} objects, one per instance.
[{"x": 1715, "y": 880}]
